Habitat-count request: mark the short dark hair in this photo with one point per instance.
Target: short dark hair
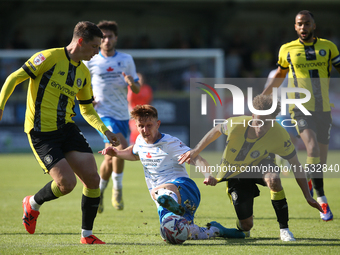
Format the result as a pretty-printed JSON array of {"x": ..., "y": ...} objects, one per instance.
[
  {"x": 144, "y": 112},
  {"x": 87, "y": 30},
  {"x": 306, "y": 12},
  {"x": 109, "y": 25},
  {"x": 265, "y": 102}
]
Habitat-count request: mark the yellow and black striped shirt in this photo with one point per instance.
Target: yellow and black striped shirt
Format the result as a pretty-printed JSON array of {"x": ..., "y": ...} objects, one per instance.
[
  {"x": 242, "y": 152},
  {"x": 309, "y": 66},
  {"x": 55, "y": 82}
]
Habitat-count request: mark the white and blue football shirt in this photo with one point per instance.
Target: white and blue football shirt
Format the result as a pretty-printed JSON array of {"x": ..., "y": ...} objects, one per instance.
[
  {"x": 109, "y": 86},
  {"x": 160, "y": 159}
]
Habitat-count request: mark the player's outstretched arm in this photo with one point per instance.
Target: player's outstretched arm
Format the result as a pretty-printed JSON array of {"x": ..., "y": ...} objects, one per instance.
[
  {"x": 125, "y": 154},
  {"x": 202, "y": 164},
  {"x": 275, "y": 81},
  {"x": 301, "y": 179},
  {"x": 7, "y": 89}
]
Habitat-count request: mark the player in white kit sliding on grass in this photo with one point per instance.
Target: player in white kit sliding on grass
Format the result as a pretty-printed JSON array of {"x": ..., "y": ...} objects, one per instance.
[{"x": 168, "y": 182}]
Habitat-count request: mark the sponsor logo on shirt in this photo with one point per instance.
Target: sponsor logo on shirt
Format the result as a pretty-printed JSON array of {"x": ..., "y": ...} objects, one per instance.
[
  {"x": 308, "y": 65},
  {"x": 287, "y": 143}
]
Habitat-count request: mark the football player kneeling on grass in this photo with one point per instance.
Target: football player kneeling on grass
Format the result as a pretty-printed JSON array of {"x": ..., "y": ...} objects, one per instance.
[
  {"x": 168, "y": 182},
  {"x": 249, "y": 155}
]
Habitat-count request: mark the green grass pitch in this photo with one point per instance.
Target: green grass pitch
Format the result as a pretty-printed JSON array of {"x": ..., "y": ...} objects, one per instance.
[{"x": 135, "y": 230}]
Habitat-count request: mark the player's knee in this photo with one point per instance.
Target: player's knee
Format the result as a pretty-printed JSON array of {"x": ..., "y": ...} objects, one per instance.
[
  {"x": 273, "y": 182},
  {"x": 313, "y": 149},
  {"x": 92, "y": 180},
  {"x": 66, "y": 186},
  {"x": 108, "y": 160}
]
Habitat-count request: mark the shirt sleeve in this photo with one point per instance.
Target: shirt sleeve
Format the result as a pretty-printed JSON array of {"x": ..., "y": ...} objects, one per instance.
[
  {"x": 135, "y": 148},
  {"x": 85, "y": 95},
  {"x": 85, "y": 98},
  {"x": 335, "y": 57},
  {"x": 11, "y": 82},
  {"x": 91, "y": 117},
  {"x": 282, "y": 62},
  {"x": 39, "y": 63},
  {"x": 132, "y": 69},
  {"x": 286, "y": 149}
]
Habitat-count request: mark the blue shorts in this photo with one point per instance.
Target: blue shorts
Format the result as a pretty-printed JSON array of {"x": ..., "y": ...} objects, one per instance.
[
  {"x": 115, "y": 126},
  {"x": 190, "y": 199},
  {"x": 291, "y": 130}
]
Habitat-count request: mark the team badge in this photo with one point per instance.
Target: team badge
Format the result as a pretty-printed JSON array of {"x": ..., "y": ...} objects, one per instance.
[
  {"x": 234, "y": 196},
  {"x": 39, "y": 59},
  {"x": 79, "y": 82},
  {"x": 302, "y": 123},
  {"x": 322, "y": 53},
  {"x": 255, "y": 154},
  {"x": 48, "y": 159}
]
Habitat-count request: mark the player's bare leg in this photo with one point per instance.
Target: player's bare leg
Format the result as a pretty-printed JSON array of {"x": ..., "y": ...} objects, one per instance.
[
  {"x": 117, "y": 175},
  {"x": 168, "y": 196},
  {"x": 105, "y": 173}
]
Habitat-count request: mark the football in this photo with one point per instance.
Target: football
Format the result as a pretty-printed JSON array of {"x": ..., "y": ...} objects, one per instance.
[{"x": 175, "y": 229}]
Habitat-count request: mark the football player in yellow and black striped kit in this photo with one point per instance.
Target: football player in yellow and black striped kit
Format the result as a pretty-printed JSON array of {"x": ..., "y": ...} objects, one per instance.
[
  {"x": 308, "y": 62},
  {"x": 248, "y": 160},
  {"x": 56, "y": 78}
]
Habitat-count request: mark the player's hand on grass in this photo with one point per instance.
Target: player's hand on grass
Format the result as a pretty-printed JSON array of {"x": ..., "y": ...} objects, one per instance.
[
  {"x": 314, "y": 204},
  {"x": 210, "y": 181},
  {"x": 111, "y": 151}
]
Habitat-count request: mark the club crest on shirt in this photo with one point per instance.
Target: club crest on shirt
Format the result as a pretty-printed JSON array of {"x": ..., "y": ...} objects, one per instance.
[
  {"x": 255, "y": 154},
  {"x": 79, "y": 82},
  {"x": 322, "y": 52},
  {"x": 39, "y": 59}
]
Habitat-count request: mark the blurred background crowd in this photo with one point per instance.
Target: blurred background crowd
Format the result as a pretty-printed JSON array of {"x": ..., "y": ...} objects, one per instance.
[{"x": 250, "y": 32}]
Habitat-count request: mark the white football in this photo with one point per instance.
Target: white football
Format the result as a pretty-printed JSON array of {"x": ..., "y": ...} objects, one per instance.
[{"x": 175, "y": 229}]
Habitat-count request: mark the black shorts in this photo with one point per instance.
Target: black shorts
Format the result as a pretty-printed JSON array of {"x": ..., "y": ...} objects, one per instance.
[
  {"x": 319, "y": 122},
  {"x": 242, "y": 191},
  {"x": 50, "y": 147}
]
